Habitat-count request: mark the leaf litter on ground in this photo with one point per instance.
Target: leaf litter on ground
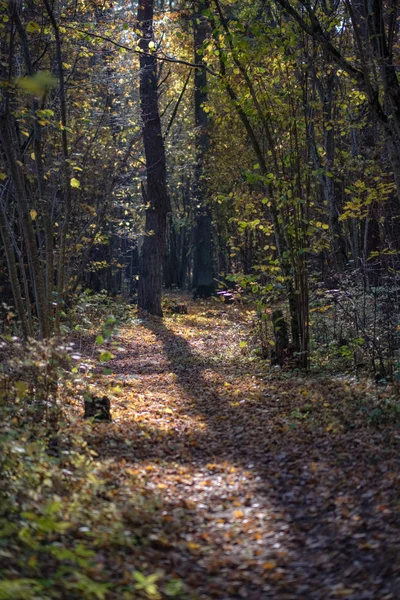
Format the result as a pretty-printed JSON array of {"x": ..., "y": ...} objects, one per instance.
[{"x": 235, "y": 481}]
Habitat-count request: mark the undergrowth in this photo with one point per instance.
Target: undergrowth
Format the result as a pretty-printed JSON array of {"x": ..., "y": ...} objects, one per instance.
[{"x": 61, "y": 534}]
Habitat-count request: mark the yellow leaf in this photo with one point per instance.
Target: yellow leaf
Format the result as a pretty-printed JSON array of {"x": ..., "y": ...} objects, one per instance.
[
  {"x": 21, "y": 388},
  {"x": 238, "y": 514},
  {"x": 268, "y": 566},
  {"x": 33, "y": 214},
  {"x": 32, "y": 27},
  {"x": 193, "y": 546},
  {"x": 75, "y": 183},
  {"x": 212, "y": 466},
  {"x": 168, "y": 411}
]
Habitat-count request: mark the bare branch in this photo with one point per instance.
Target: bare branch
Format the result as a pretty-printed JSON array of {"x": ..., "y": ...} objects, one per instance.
[{"x": 155, "y": 55}]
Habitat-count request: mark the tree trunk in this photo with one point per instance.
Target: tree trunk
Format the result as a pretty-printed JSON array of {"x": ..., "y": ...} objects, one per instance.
[
  {"x": 44, "y": 199},
  {"x": 17, "y": 178},
  {"x": 62, "y": 282},
  {"x": 13, "y": 274},
  {"x": 329, "y": 190},
  {"x": 155, "y": 193},
  {"x": 203, "y": 273}
]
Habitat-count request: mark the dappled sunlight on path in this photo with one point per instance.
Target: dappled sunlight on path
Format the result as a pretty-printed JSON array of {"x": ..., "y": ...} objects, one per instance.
[{"x": 256, "y": 486}]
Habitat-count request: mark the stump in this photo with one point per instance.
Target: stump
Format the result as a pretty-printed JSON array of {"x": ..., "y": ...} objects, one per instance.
[
  {"x": 97, "y": 408},
  {"x": 179, "y": 309}
]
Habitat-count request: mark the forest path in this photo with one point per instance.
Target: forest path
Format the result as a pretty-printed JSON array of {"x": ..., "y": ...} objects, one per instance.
[{"x": 243, "y": 483}]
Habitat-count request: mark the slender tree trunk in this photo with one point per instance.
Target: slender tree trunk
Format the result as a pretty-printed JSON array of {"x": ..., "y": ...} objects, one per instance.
[
  {"x": 203, "y": 273},
  {"x": 325, "y": 178},
  {"x": 62, "y": 267},
  {"x": 38, "y": 282},
  {"x": 44, "y": 203},
  {"x": 13, "y": 273},
  {"x": 155, "y": 193},
  {"x": 386, "y": 113}
]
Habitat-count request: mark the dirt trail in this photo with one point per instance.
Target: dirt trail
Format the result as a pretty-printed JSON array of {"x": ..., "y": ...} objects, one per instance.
[{"x": 255, "y": 486}]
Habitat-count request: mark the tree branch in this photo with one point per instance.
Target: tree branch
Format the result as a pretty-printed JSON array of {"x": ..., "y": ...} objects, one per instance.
[
  {"x": 315, "y": 31},
  {"x": 153, "y": 54}
]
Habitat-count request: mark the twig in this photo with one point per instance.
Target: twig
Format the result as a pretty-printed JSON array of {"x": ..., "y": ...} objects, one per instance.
[{"x": 154, "y": 54}]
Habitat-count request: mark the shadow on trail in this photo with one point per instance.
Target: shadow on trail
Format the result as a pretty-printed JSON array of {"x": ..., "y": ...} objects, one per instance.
[{"x": 336, "y": 528}]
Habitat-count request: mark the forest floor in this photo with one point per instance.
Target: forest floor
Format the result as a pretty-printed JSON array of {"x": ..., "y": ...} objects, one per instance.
[{"x": 242, "y": 481}]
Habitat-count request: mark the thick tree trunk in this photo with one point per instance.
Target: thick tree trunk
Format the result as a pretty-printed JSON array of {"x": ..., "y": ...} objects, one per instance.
[
  {"x": 203, "y": 273},
  {"x": 155, "y": 193}
]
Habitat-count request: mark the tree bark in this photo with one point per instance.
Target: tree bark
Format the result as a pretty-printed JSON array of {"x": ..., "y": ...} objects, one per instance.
[
  {"x": 326, "y": 94},
  {"x": 203, "y": 273},
  {"x": 44, "y": 199},
  {"x": 155, "y": 193},
  {"x": 13, "y": 273},
  {"x": 64, "y": 230},
  {"x": 17, "y": 178}
]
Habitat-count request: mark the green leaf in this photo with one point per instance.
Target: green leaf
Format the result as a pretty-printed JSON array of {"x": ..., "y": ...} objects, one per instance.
[
  {"x": 32, "y": 27},
  {"x": 147, "y": 584},
  {"x": 99, "y": 340},
  {"x": 174, "y": 588},
  {"x": 105, "y": 356},
  {"x": 20, "y": 589}
]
